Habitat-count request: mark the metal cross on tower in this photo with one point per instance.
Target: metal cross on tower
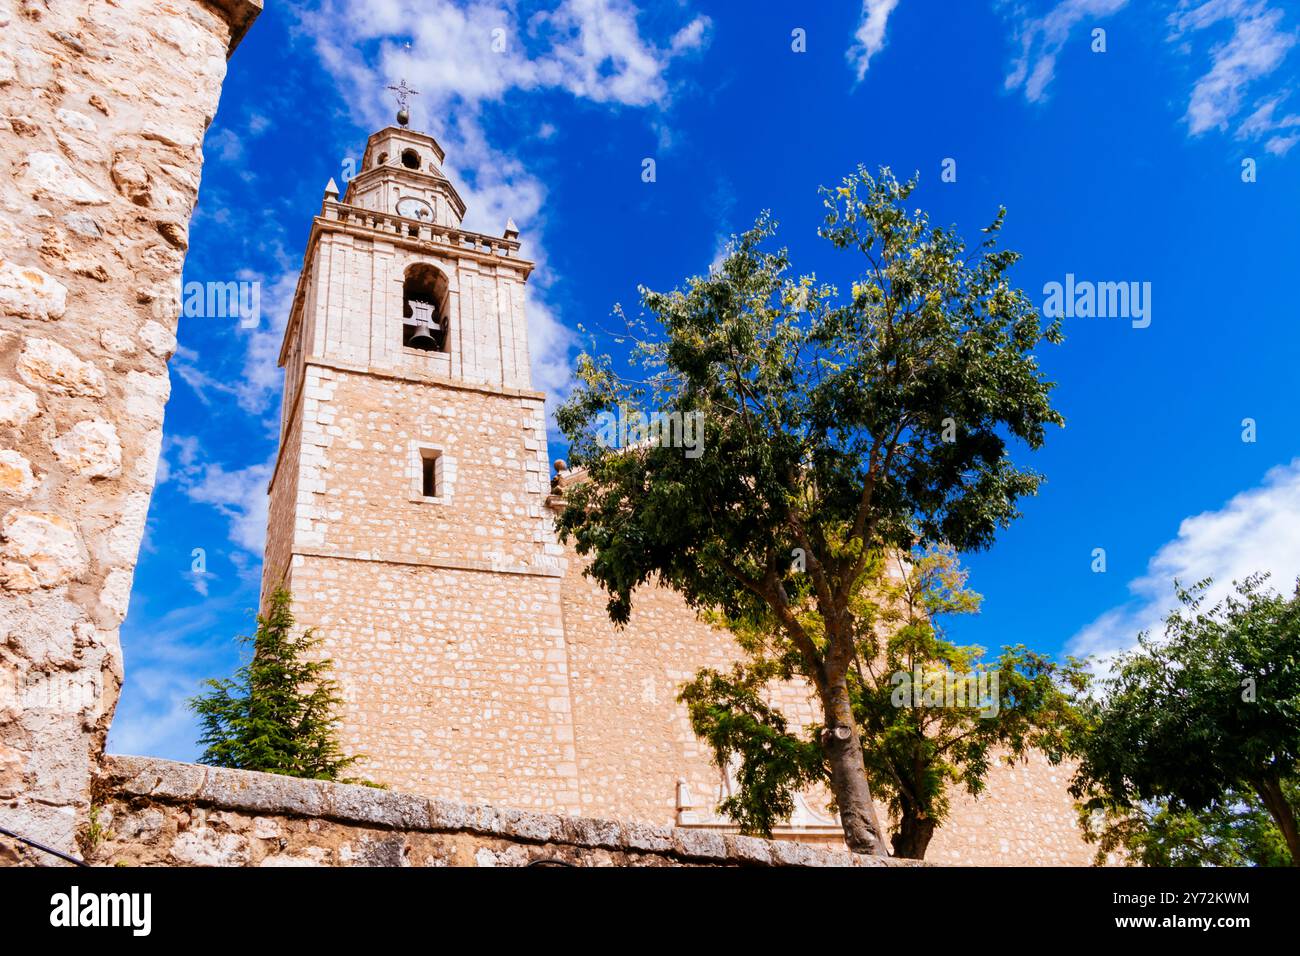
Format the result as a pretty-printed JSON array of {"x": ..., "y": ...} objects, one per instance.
[{"x": 404, "y": 93}]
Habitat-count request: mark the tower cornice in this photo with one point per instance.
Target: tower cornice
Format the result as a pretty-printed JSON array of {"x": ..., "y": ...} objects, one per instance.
[{"x": 413, "y": 234}]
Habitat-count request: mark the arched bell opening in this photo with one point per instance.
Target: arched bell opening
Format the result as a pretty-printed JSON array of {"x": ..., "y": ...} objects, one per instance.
[{"x": 424, "y": 309}]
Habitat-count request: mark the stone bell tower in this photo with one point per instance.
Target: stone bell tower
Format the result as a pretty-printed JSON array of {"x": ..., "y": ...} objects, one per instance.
[{"x": 408, "y": 502}]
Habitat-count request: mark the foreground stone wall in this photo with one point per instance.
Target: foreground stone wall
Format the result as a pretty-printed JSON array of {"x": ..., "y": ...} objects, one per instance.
[
  {"x": 104, "y": 107},
  {"x": 160, "y": 813}
]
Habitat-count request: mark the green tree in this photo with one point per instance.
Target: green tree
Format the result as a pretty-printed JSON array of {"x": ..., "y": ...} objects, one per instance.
[
  {"x": 278, "y": 712},
  {"x": 933, "y": 715},
  {"x": 1204, "y": 716},
  {"x": 1234, "y": 831},
  {"x": 833, "y": 429}
]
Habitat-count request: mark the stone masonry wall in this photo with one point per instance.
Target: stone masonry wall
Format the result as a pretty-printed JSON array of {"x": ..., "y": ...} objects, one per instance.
[
  {"x": 357, "y": 311},
  {"x": 159, "y": 813},
  {"x": 358, "y": 491},
  {"x": 103, "y": 107},
  {"x": 634, "y": 741},
  {"x": 454, "y": 681},
  {"x": 1025, "y": 816},
  {"x": 472, "y": 670}
]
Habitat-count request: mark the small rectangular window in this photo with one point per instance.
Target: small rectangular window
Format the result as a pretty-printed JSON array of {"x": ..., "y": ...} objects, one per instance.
[{"x": 428, "y": 473}]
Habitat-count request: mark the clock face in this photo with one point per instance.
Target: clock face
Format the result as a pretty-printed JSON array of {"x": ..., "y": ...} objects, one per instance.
[{"x": 412, "y": 208}]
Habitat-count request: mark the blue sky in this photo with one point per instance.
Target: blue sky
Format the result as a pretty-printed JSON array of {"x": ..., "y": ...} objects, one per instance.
[{"x": 1122, "y": 165}]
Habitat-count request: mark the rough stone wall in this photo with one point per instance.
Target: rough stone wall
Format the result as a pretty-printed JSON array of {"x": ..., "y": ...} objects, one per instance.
[
  {"x": 159, "y": 813},
  {"x": 357, "y": 313},
  {"x": 442, "y": 616},
  {"x": 104, "y": 107},
  {"x": 634, "y": 741},
  {"x": 281, "y": 514}
]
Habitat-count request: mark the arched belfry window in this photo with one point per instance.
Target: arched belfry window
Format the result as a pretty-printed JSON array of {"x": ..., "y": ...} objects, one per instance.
[{"x": 424, "y": 309}]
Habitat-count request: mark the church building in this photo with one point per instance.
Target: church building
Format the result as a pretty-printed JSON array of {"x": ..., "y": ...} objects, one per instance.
[{"x": 412, "y": 518}]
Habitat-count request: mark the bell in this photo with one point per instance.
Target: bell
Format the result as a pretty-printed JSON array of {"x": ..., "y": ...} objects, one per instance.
[{"x": 425, "y": 327}]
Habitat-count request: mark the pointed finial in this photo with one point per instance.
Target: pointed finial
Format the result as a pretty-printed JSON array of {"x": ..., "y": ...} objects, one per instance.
[
  {"x": 512, "y": 231},
  {"x": 331, "y": 189}
]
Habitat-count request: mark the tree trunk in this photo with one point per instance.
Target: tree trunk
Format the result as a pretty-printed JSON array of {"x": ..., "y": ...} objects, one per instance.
[
  {"x": 843, "y": 748},
  {"x": 1283, "y": 814},
  {"x": 914, "y": 832}
]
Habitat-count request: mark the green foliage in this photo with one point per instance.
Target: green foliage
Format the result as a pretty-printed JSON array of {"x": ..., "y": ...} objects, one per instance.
[
  {"x": 835, "y": 428},
  {"x": 1209, "y": 714},
  {"x": 916, "y": 749},
  {"x": 278, "y": 712},
  {"x": 823, "y": 418},
  {"x": 729, "y": 712},
  {"x": 1234, "y": 831},
  {"x": 94, "y": 833}
]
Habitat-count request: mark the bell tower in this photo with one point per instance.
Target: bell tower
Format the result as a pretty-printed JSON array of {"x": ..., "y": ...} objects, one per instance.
[{"x": 407, "y": 512}]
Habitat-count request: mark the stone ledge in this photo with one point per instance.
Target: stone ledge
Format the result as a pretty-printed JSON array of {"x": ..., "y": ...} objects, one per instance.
[
  {"x": 264, "y": 794},
  {"x": 443, "y": 562},
  {"x": 423, "y": 378}
]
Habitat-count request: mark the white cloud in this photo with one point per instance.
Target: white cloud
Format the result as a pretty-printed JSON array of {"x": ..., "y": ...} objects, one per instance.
[
  {"x": 225, "y": 144},
  {"x": 1256, "y": 46},
  {"x": 1281, "y": 145},
  {"x": 258, "y": 124},
  {"x": 1257, "y": 530},
  {"x": 184, "y": 447},
  {"x": 693, "y": 36},
  {"x": 549, "y": 343},
  {"x": 240, "y": 495},
  {"x": 869, "y": 37},
  {"x": 475, "y": 52},
  {"x": 258, "y": 383},
  {"x": 1265, "y": 124},
  {"x": 199, "y": 581},
  {"x": 1042, "y": 38}
]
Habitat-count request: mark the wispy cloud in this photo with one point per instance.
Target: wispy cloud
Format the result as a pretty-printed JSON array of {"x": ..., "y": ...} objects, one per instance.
[
  {"x": 165, "y": 666},
  {"x": 1256, "y": 45},
  {"x": 239, "y": 493},
  {"x": 261, "y": 380},
  {"x": 1248, "y": 43},
  {"x": 1265, "y": 123},
  {"x": 869, "y": 37},
  {"x": 1257, "y": 530},
  {"x": 1041, "y": 39}
]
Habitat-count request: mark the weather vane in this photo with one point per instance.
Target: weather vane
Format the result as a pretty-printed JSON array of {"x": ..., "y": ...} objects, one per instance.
[{"x": 404, "y": 93}]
